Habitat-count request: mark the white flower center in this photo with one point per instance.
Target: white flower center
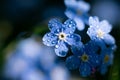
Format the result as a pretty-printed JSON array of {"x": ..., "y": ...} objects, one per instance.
[
  {"x": 100, "y": 33},
  {"x": 62, "y": 36}
]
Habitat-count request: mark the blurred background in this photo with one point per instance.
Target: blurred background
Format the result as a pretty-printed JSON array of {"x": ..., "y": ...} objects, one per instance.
[{"x": 22, "y": 26}]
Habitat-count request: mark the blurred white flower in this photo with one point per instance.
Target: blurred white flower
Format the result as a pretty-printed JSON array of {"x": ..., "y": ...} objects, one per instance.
[
  {"x": 33, "y": 74},
  {"x": 59, "y": 73}
]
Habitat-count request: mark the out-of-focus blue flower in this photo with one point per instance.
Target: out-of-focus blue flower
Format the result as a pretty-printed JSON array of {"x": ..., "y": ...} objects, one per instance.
[
  {"x": 29, "y": 48},
  {"x": 100, "y": 30},
  {"x": 61, "y": 36},
  {"x": 84, "y": 58},
  {"x": 62, "y": 75},
  {"x": 106, "y": 59},
  {"x": 15, "y": 66},
  {"x": 33, "y": 74},
  {"x": 77, "y": 10},
  {"x": 33, "y": 61},
  {"x": 32, "y": 50}
]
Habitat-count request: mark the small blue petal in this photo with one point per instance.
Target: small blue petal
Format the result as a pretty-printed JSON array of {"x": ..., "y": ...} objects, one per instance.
[
  {"x": 85, "y": 18},
  {"x": 94, "y": 60},
  {"x": 61, "y": 49},
  {"x": 83, "y": 6},
  {"x": 72, "y": 62},
  {"x": 70, "y": 3},
  {"x": 100, "y": 43},
  {"x": 54, "y": 25},
  {"x": 50, "y": 39},
  {"x": 91, "y": 47},
  {"x": 70, "y": 26},
  {"x": 113, "y": 47},
  {"x": 72, "y": 39},
  {"x": 70, "y": 13},
  {"x": 85, "y": 69},
  {"x": 80, "y": 5},
  {"x": 80, "y": 23},
  {"x": 77, "y": 49},
  {"x": 103, "y": 69},
  {"x": 108, "y": 39}
]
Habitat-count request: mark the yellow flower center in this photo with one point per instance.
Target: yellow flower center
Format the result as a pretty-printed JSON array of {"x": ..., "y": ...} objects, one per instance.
[
  {"x": 100, "y": 33},
  {"x": 84, "y": 57},
  {"x": 106, "y": 58},
  {"x": 62, "y": 36}
]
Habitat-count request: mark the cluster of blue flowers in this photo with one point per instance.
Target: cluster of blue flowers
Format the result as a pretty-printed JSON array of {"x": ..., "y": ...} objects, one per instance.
[
  {"x": 90, "y": 57},
  {"x": 27, "y": 62}
]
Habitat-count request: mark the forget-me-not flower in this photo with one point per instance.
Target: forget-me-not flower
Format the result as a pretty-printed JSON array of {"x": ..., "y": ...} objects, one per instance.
[
  {"x": 106, "y": 59},
  {"x": 100, "y": 30},
  {"x": 77, "y": 10},
  {"x": 61, "y": 36},
  {"x": 84, "y": 58}
]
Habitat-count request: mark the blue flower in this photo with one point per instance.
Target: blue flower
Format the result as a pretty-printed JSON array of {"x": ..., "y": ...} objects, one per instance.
[
  {"x": 27, "y": 62},
  {"x": 33, "y": 74},
  {"x": 61, "y": 36},
  {"x": 106, "y": 59},
  {"x": 84, "y": 58},
  {"x": 77, "y": 10},
  {"x": 15, "y": 66},
  {"x": 100, "y": 30}
]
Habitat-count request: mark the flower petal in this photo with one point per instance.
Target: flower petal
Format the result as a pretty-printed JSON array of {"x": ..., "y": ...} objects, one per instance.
[
  {"x": 50, "y": 39},
  {"x": 70, "y": 26},
  {"x": 54, "y": 25},
  {"x": 70, "y": 13},
  {"x": 72, "y": 39},
  {"x": 93, "y": 21},
  {"x": 77, "y": 49},
  {"x": 105, "y": 26},
  {"x": 91, "y": 47},
  {"x": 70, "y": 3},
  {"x": 85, "y": 18},
  {"x": 100, "y": 43},
  {"x": 94, "y": 60},
  {"x": 108, "y": 39},
  {"x": 83, "y": 6},
  {"x": 85, "y": 69},
  {"x": 80, "y": 23},
  {"x": 61, "y": 49},
  {"x": 72, "y": 62},
  {"x": 92, "y": 33},
  {"x": 103, "y": 69}
]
